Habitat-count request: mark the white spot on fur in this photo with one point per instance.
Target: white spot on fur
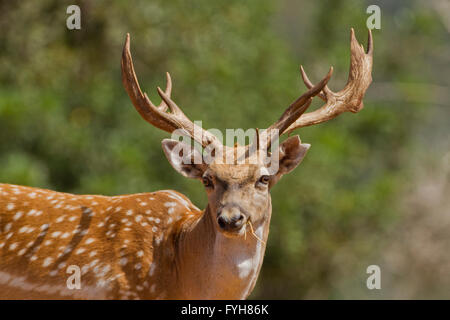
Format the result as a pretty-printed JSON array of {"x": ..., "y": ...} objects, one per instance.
[
  {"x": 47, "y": 262},
  {"x": 18, "y": 215},
  {"x": 65, "y": 235},
  {"x": 56, "y": 234},
  {"x": 152, "y": 269},
  {"x": 123, "y": 261},
  {"x": 170, "y": 204},
  {"x": 8, "y": 227}
]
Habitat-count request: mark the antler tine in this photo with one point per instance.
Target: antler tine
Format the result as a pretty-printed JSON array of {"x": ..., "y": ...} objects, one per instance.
[
  {"x": 294, "y": 111},
  {"x": 348, "y": 99},
  {"x": 157, "y": 115},
  {"x": 168, "y": 102},
  {"x": 299, "y": 106},
  {"x": 309, "y": 84},
  {"x": 163, "y": 105}
]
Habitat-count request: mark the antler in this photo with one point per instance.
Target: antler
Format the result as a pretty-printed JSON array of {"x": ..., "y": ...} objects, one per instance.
[
  {"x": 293, "y": 112},
  {"x": 157, "y": 115},
  {"x": 349, "y": 98}
]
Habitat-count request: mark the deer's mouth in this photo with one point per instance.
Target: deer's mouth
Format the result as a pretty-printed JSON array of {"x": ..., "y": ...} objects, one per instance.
[
  {"x": 235, "y": 233},
  {"x": 232, "y": 220},
  {"x": 234, "y": 227}
]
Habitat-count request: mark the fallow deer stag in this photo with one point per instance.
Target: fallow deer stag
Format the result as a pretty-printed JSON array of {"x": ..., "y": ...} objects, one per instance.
[{"x": 158, "y": 245}]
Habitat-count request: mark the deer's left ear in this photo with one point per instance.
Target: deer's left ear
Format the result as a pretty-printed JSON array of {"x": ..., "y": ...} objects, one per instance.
[{"x": 291, "y": 153}]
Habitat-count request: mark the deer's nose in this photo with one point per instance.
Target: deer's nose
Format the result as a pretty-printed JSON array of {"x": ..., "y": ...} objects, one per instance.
[{"x": 231, "y": 219}]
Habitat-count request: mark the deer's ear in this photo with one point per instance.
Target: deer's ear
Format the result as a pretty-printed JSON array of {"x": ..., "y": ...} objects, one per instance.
[
  {"x": 291, "y": 153},
  {"x": 184, "y": 158}
]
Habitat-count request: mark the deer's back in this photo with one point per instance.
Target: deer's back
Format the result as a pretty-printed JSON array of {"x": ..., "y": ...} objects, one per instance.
[{"x": 112, "y": 240}]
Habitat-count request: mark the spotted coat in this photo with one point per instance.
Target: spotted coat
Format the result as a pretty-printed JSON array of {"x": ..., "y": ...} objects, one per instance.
[{"x": 114, "y": 241}]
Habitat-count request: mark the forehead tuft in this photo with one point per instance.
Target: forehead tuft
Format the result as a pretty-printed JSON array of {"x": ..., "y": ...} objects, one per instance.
[
  {"x": 247, "y": 169},
  {"x": 235, "y": 172}
]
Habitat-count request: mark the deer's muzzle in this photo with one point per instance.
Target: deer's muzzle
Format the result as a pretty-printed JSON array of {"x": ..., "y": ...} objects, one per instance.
[{"x": 231, "y": 219}]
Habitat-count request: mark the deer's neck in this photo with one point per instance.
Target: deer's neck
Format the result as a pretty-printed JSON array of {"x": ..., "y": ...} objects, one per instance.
[{"x": 213, "y": 266}]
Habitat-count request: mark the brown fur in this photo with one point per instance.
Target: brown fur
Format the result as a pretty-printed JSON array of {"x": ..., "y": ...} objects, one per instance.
[{"x": 73, "y": 222}]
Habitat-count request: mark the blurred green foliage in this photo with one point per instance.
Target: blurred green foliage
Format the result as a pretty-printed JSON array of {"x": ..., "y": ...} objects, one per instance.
[{"x": 67, "y": 124}]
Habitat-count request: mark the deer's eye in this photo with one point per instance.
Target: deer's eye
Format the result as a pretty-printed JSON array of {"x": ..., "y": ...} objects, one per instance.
[
  {"x": 264, "y": 179},
  {"x": 207, "y": 182}
]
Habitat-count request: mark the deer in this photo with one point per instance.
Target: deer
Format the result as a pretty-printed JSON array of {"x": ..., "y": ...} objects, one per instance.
[{"x": 159, "y": 245}]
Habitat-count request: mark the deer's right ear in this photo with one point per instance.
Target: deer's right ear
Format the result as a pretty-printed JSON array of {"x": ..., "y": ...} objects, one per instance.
[{"x": 184, "y": 158}]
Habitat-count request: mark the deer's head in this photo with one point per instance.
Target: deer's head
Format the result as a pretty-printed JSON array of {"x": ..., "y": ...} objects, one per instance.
[
  {"x": 238, "y": 193},
  {"x": 238, "y": 179}
]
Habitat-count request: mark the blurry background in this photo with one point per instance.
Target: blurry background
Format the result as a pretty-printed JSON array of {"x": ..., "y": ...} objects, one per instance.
[{"x": 374, "y": 188}]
